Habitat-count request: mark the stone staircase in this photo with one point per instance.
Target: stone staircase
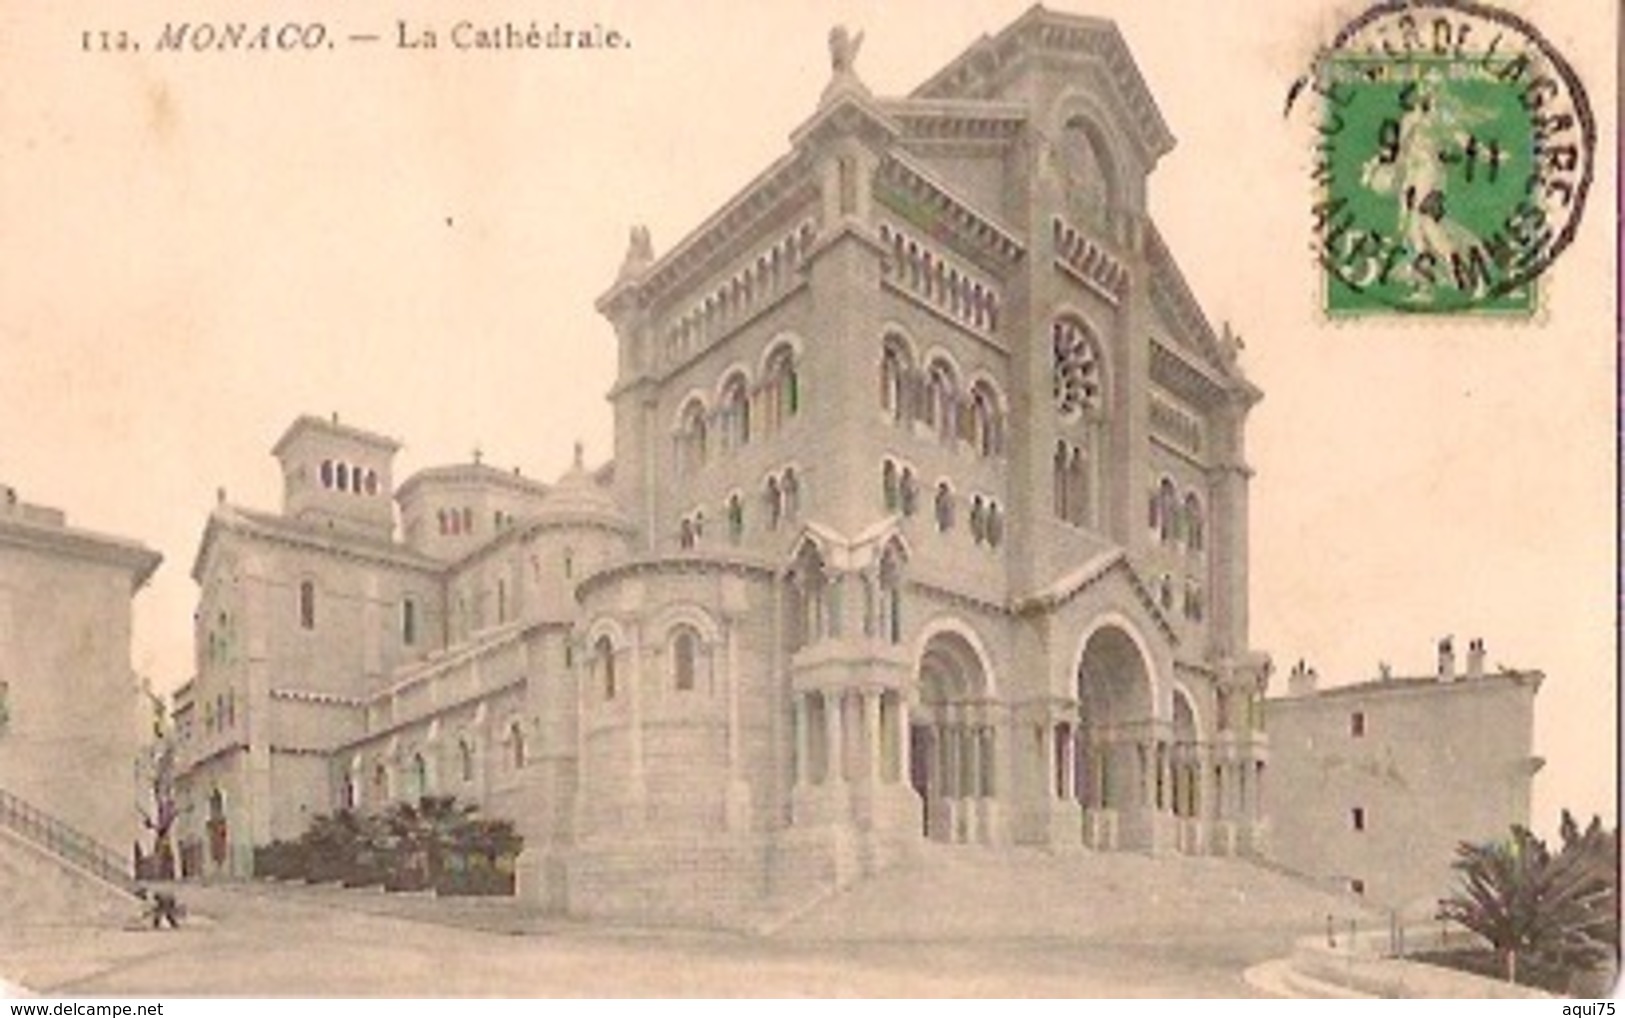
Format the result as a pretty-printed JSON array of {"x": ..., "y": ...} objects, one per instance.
[
  {"x": 963, "y": 892},
  {"x": 52, "y": 874}
]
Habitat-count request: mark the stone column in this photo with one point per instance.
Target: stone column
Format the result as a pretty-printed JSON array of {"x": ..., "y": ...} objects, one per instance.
[
  {"x": 731, "y": 639},
  {"x": 798, "y": 706},
  {"x": 634, "y": 733},
  {"x": 1047, "y": 751},
  {"x": 871, "y": 732},
  {"x": 835, "y": 754},
  {"x": 905, "y": 754}
]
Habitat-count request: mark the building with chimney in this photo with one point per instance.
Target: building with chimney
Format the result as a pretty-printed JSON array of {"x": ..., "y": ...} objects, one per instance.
[
  {"x": 1374, "y": 784},
  {"x": 927, "y": 519}
]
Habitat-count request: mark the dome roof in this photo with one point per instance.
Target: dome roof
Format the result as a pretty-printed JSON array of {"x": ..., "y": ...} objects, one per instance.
[{"x": 578, "y": 497}]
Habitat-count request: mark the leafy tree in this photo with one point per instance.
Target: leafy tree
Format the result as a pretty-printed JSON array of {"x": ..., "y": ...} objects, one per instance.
[{"x": 1547, "y": 914}]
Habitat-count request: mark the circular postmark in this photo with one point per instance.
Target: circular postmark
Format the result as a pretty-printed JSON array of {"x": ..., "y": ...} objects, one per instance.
[{"x": 1453, "y": 152}]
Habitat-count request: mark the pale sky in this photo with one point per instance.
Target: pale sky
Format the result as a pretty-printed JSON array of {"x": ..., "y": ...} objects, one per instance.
[{"x": 196, "y": 248}]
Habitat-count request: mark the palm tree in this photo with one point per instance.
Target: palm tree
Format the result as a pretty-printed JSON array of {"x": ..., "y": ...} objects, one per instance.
[{"x": 1553, "y": 913}]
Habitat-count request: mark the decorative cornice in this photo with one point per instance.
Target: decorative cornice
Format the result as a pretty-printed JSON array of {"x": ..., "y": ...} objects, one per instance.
[
  {"x": 959, "y": 121},
  {"x": 55, "y": 540},
  {"x": 787, "y": 181},
  {"x": 930, "y": 205},
  {"x": 692, "y": 562},
  {"x": 315, "y": 696}
]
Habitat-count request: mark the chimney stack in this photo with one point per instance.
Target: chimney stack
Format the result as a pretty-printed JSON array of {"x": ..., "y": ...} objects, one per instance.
[
  {"x": 1475, "y": 658},
  {"x": 1302, "y": 681},
  {"x": 1447, "y": 659}
]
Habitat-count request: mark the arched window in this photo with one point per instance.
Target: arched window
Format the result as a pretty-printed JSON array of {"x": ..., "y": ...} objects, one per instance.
[
  {"x": 686, "y": 538},
  {"x": 468, "y": 520},
  {"x": 792, "y": 494},
  {"x": 781, "y": 386},
  {"x": 604, "y": 660},
  {"x": 343, "y": 477},
  {"x": 773, "y": 502},
  {"x": 307, "y": 604},
  {"x": 1194, "y": 524},
  {"x": 380, "y": 783},
  {"x": 327, "y": 473},
  {"x": 691, "y": 436},
  {"x": 465, "y": 760},
  {"x": 978, "y": 519},
  {"x": 735, "y": 412},
  {"x": 808, "y": 596},
  {"x": 986, "y": 422},
  {"x": 1193, "y": 600},
  {"x": 1167, "y": 511},
  {"x": 891, "y": 493},
  {"x": 372, "y": 482},
  {"x": 895, "y": 369},
  {"x": 736, "y": 518},
  {"x": 891, "y": 598},
  {"x": 944, "y": 507},
  {"x": 684, "y": 650},
  {"x": 502, "y": 601},
  {"x": 941, "y": 399},
  {"x": 516, "y": 745},
  {"x": 420, "y": 776},
  {"x": 1078, "y": 383},
  {"x": 908, "y": 492},
  {"x": 995, "y": 524}
]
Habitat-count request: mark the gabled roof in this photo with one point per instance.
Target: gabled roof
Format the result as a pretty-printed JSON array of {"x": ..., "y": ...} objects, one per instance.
[
  {"x": 273, "y": 527},
  {"x": 1042, "y": 31},
  {"x": 310, "y": 422},
  {"x": 1097, "y": 570}
]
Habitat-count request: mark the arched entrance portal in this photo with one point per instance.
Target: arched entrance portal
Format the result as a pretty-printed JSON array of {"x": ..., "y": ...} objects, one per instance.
[
  {"x": 952, "y": 741},
  {"x": 1118, "y": 768}
]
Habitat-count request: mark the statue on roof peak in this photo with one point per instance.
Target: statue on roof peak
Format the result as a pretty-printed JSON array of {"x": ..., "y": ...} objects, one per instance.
[
  {"x": 843, "y": 50},
  {"x": 843, "y": 53},
  {"x": 640, "y": 253}
]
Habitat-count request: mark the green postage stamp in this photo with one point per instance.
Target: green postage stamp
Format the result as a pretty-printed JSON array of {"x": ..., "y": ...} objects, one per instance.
[{"x": 1454, "y": 152}]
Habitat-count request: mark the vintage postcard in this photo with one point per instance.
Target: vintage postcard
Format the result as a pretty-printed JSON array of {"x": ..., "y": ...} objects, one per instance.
[{"x": 823, "y": 498}]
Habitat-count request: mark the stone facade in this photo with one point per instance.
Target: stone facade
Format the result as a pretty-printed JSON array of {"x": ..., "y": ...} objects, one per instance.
[
  {"x": 927, "y": 519},
  {"x": 1372, "y": 794},
  {"x": 73, "y": 714}
]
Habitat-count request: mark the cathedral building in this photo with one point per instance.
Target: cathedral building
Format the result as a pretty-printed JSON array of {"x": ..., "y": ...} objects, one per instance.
[{"x": 927, "y": 519}]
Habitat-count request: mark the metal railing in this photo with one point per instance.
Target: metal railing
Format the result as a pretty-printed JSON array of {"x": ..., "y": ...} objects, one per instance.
[{"x": 67, "y": 843}]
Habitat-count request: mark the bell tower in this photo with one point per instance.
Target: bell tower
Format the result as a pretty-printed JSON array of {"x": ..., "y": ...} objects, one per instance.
[{"x": 339, "y": 476}]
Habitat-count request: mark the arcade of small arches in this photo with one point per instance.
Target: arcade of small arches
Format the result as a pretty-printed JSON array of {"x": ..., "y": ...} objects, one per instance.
[
  {"x": 411, "y": 775},
  {"x": 900, "y": 494},
  {"x": 917, "y": 269},
  {"x": 741, "y": 413},
  {"x": 1106, "y": 761},
  {"x": 781, "y": 503},
  {"x": 769, "y": 274},
  {"x": 935, "y": 398},
  {"x": 337, "y": 475}
]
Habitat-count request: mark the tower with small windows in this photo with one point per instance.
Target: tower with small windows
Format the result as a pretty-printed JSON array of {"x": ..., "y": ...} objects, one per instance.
[{"x": 338, "y": 476}]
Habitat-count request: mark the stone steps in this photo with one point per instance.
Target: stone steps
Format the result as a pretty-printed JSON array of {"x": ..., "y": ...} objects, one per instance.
[{"x": 977, "y": 891}]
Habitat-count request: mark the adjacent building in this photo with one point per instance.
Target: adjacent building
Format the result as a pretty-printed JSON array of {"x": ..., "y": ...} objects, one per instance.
[
  {"x": 1377, "y": 783},
  {"x": 74, "y": 717},
  {"x": 927, "y": 519}
]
